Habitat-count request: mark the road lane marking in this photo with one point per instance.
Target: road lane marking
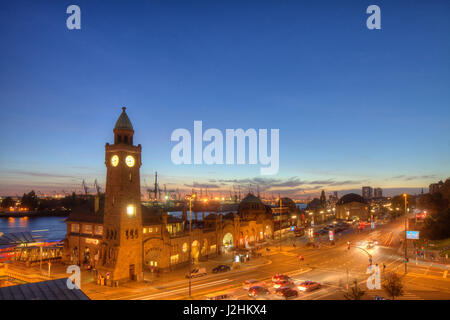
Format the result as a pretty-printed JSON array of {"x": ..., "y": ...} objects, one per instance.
[{"x": 176, "y": 291}]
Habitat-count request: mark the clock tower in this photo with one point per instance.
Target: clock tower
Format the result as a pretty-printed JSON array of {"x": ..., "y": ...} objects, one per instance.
[{"x": 121, "y": 248}]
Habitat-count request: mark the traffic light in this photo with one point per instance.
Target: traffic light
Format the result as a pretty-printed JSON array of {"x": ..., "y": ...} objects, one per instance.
[{"x": 406, "y": 260}]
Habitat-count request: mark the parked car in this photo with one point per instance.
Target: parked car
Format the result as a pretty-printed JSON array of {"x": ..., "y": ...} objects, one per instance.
[
  {"x": 252, "y": 282},
  {"x": 258, "y": 291},
  {"x": 197, "y": 272},
  {"x": 221, "y": 268},
  {"x": 309, "y": 286}
]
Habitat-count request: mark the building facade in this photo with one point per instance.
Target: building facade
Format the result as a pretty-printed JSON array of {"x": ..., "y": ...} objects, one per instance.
[
  {"x": 378, "y": 193},
  {"x": 434, "y": 187},
  {"x": 121, "y": 238},
  {"x": 352, "y": 207},
  {"x": 367, "y": 192}
]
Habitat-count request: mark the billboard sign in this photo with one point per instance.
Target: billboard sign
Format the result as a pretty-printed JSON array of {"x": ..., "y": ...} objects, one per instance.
[{"x": 414, "y": 235}]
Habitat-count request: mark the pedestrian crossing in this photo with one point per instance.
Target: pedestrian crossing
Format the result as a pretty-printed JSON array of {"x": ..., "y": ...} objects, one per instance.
[{"x": 407, "y": 295}]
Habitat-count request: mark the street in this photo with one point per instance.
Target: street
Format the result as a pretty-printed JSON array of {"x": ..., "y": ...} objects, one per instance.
[{"x": 333, "y": 266}]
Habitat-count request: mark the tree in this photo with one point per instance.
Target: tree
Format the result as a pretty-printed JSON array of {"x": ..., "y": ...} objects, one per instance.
[
  {"x": 29, "y": 200},
  {"x": 393, "y": 286},
  {"x": 437, "y": 225},
  {"x": 8, "y": 202},
  {"x": 355, "y": 293}
]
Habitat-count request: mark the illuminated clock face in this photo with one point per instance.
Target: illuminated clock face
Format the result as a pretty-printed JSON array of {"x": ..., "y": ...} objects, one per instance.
[
  {"x": 115, "y": 160},
  {"x": 129, "y": 160}
]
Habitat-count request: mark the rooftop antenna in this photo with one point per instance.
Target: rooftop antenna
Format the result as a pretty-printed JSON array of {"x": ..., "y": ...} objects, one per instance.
[
  {"x": 85, "y": 188},
  {"x": 156, "y": 189},
  {"x": 96, "y": 186}
]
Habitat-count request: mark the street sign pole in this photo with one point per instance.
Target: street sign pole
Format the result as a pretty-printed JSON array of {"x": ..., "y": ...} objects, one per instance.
[{"x": 347, "y": 280}]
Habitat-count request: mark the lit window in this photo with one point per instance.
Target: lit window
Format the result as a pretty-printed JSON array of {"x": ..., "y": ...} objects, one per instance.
[
  {"x": 150, "y": 230},
  {"x": 145, "y": 230},
  {"x": 185, "y": 247},
  {"x": 75, "y": 227},
  {"x": 87, "y": 228},
  {"x": 99, "y": 230},
  {"x": 174, "y": 259}
]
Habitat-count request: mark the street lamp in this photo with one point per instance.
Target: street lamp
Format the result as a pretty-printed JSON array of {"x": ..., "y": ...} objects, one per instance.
[
  {"x": 190, "y": 241},
  {"x": 281, "y": 205},
  {"x": 406, "y": 228}
]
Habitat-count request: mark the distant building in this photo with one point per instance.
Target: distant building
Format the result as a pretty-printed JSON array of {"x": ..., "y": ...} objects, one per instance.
[
  {"x": 352, "y": 207},
  {"x": 434, "y": 187},
  {"x": 378, "y": 192},
  {"x": 367, "y": 192}
]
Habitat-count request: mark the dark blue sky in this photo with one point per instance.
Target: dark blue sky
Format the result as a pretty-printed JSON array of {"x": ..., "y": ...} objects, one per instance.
[{"x": 354, "y": 106}]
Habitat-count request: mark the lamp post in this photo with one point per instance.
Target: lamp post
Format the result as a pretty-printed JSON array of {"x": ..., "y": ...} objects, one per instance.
[
  {"x": 406, "y": 228},
  {"x": 281, "y": 205},
  {"x": 190, "y": 241}
]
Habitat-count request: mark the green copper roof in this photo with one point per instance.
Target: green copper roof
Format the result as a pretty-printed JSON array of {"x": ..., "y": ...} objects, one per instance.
[
  {"x": 251, "y": 198},
  {"x": 123, "y": 122}
]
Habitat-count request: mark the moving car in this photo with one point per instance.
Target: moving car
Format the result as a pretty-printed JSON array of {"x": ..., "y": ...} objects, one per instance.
[
  {"x": 250, "y": 283},
  {"x": 370, "y": 244},
  {"x": 224, "y": 296},
  {"x": 221, "y": 268},
  {"x": 309, "y": 286},
  {"x": 258, "y": 291},
  {"x": 197, "y": 272},
  {"x": 283, "y": 283},
  {"x": 287, "y": 293},
  {"x": 279, "y": 276}
]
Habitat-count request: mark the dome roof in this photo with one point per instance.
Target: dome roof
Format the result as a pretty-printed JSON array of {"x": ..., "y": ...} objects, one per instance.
[
  {"x": 287, "y": 202},
  {"x": 123, "y": 122},
  {"x": 351, "y": 197},
  {"x": 250, "y": 198}
]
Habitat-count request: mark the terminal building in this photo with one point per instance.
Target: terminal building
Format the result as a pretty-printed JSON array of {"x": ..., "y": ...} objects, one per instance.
[
  {"x": 120, "y": 238},
  {"x": 352, "y": 207}
]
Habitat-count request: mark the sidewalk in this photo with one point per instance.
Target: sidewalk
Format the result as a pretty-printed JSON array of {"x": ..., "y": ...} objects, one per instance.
[
  {"x": 154, "y": 284},
  {"x": 440, "y": 262}
]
